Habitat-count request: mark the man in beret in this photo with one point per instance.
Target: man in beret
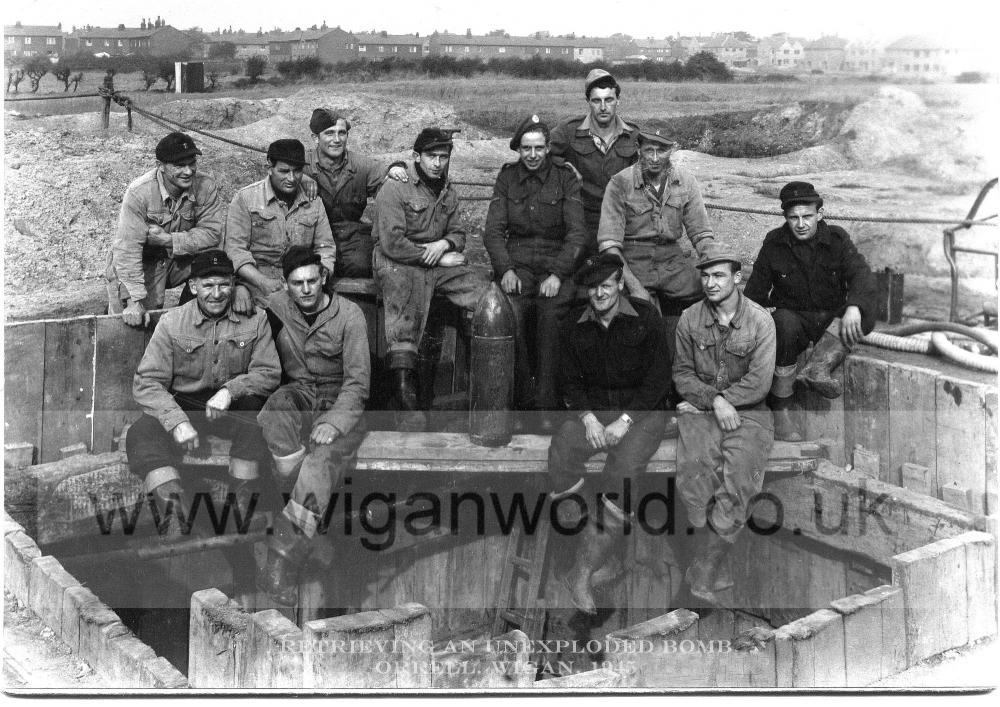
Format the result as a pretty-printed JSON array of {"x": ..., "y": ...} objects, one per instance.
[
  {"x": 723, "y": 365},
  {"x": 822, "y": 291},
  {"x": 345, "y": 181},
  {"x": 419, "y": 254},
  {"x": 168, "y": 215},
  {"x": 597, "y": 145},
  {"x": 615, "y": 374},
  {"x": 206, "y": 369},
  {"x": 313, "y": 423},
  {"x": 535, "y": 235},
  {"x": 647, "y": 208},
  {"x": 266, "y": 218}
]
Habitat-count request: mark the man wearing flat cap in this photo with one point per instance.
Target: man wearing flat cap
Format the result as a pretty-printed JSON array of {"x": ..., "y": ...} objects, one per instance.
[
  {"x": 723, "y": 364},
  {"x": 206, "y": 369},
  {"x": 822, "y": 291},
  {"x": 168, "y": 215},
  {"x": 597, "y": 145},
  {"x": 615, "y": 376},
  {"x": 419, "y": 254},
  {"x": 647, "y": 209},
  {"x": 267, "y": 218},
  {"x": 345, "y": 181},
  {"x": 535, "y": 235},
  {"x": 313, "y": 423}
]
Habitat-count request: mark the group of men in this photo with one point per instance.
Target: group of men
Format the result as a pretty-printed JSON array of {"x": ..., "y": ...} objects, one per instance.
[{"x": 619, "y": 327}]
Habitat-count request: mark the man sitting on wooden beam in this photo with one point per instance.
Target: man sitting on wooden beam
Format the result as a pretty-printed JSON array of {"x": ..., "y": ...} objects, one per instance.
[
  {"x": 322, "y": 341},
  {"x": 206, "y": 369},
  {"x": 616, "y": 378},
  {"x": 822, "y": 290},
  {"x": 723, "y": 366}
]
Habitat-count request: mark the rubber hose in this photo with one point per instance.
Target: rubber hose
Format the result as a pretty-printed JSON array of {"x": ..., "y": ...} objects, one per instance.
[
  {"x": 898, "y": 343},
  {"x": 947, "y": 349},
  {"x": 984, "y": 336}
]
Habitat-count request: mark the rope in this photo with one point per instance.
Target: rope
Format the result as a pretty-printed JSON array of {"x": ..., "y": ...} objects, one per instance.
[
  {"x": 126, "y": 101},
  {"x": 50, "y": 98}
]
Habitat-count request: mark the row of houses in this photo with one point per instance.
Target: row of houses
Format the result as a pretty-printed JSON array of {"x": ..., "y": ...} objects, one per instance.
[{"x": 908, "y": 56}]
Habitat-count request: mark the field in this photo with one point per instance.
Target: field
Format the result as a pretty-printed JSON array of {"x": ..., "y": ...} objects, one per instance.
[{"x": 872, "y": 149}]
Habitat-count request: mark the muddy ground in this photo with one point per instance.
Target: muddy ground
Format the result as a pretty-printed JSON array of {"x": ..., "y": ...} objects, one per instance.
[{"x": 891, "y": 155}]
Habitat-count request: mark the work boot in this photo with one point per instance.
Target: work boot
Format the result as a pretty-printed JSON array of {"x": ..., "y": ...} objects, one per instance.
[
  {"x": 244, "y": 484},
  {"x": 411, "y": 418},
  {"x": 611, "y": 568},
  {"x": 287, "y": 550},
  {"x": 591, "y": 550},
  {"x": 828, "y": 353},
  {"x": 701, "y": 575},
  {"x": 173, "y": 524},
  {"x": 786, "y": 424}
]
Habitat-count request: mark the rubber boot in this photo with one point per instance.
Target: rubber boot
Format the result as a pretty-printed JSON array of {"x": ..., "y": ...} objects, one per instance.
[
  {"x": 828, "y": 353},
  {"x": 173, "y": 504},
  {"x": 701, "y": 575},
  {"x": 592, "y": 548},
  {"x": 611, "y": 567},
  {"x": 411, "y": 417},
  {"x": 781, "y": 402},
  {"x": 243, "y": 482},
  {"x": 287, "y": 550}
]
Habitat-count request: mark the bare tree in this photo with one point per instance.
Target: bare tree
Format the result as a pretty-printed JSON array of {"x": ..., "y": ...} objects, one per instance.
[
  {"x": 14, "y": 77},
  {"x": 256, "y": 65},
  {"x": 36, "y": 69},
  {"x": 76, "y": 79},
  {"x": 213, "y": 80},
  {"x": 62, "y": 71}
]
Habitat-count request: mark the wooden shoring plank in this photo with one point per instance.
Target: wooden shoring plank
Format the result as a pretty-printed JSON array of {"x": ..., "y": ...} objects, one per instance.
[
  {"x": 649, "y": 654},
  {"x": 825, "y": 420},
  {"x": 866, "y": 408},
  {"x": 810, "y": 651},
  {"x": 912, "y": 422},
  {"x": 981, "y": 584},
  {"x": 961, "y": 437},
  {"x": 24, "y": 373},
  {"x": 68, "y": 388},
  {"x": 217, "y": 642},
  {"x": 992, "y": 483},
  {"x": 119, "y": 350},
  {"x": 274, "y": 652}
]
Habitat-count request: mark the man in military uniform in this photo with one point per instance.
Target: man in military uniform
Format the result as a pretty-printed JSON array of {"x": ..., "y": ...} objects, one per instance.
[
  {"x": 822, "y": 291},
  {"x": 345, "y": 181},
  {"x": 597, "y": 145},
  {"x": 723, "y": 365},
  {"x": 322, "y": 341},
  {"x": 615, "y": 374},
  {"x": 534, "y": 235},
  {"x": 168, "y": 215},
  {"x": 647, "y": 208},
  {"x": 207, "y": 369},
  {"x": 419, "y": 254},
  {"x": 266, "y": 218}
]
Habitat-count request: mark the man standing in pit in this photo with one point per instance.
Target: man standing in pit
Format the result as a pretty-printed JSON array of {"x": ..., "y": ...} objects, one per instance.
[
  {"x": 268, "y": 217},
  {"x": 615, "y": 374},
  {"x": 534, "y": 235},
  {"x": 207, "y": 369},
  {"x": 597, "y": 145},
  {"x": 419, "y": 254},
  {"x": 723, "y": 365},
  {"x": 313, "y": 424},
  {"x": 168, "y": 215},
  {"x": 822, "y": 291}
]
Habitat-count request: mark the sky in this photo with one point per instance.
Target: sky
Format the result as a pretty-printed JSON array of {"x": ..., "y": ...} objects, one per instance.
[{"x": 876, "y": 19}]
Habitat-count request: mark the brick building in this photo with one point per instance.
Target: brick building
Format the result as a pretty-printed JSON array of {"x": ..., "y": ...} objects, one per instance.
[
  {"x": 121, "y": 40},
  {"x": 27, "y": 41}
]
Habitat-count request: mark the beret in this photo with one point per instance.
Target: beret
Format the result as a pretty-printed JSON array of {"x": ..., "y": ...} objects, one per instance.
[
  {"x": 211, "y": 262},
  {"x": 598, "y": 268},
  {"x": 287, "y": 150},
  {"x": 529, "y": 124},
  {"x": 323, "y": 118},
  {"x": 174, "y": 147}
]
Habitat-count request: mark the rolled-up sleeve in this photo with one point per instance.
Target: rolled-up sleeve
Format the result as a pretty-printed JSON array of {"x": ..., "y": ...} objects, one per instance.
[
  {"x": 126, "y": 251},
  {"x": 236, "y": 242},
  {"x": 264, "y": 372},
  {"x": 350, "y": 403},
  {"x": 611, "y": 230},
  {"x": 208, "y": 217},
  {"x": 151, "y": 383}
]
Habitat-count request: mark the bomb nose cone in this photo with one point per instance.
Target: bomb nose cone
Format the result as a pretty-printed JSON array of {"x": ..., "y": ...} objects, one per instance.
[
  {"x": 491, "y": 374},
  {"x": 494, "y": 315}
]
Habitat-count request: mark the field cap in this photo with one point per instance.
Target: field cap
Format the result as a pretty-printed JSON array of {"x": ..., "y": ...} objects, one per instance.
[
  {"x": 598, "y": 268},
  {"x": 429, "y": 138},
  {"x": 799, "y": 193},
  {"x": 323, "y": 118},
  {"x": 596, "y": 75},
  {"x": 659, "y": 136},
  {"x": 530, "y": 124},
  {"x": 298, "y": 256},
  {"x": 211, "y": 262},
  {"x": 287, "y": 150},
  {"x": 718, "y": 253},
  {"x": 175, "y": 147}
]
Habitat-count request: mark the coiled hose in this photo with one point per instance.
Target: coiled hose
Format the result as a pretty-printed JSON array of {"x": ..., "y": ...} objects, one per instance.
[
  {"x": 983, "y": 336},
  {"x": 990, "y": 364},
  {"x": 898, "y": 339}
]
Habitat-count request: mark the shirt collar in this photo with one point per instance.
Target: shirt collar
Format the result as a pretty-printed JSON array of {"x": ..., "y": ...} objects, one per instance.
[
  {"x": 624, "y": 308},
  {"x": 708, "y": 317},
  {"x": 822, "y": 235},
  {"x": 411, "y": 170},
  {"x": 542, "y": 173},
  {"x": 200, "y": 318},
  {"x": 347, "y": 164},
  {"x": 270, "y": 196},
  {"x": 639, "y": 182},
  {"x": 165, "y": 194},
  {"x": 620, "y": 125}
]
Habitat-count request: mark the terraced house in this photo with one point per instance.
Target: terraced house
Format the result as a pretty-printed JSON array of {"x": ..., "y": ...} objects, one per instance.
[
  {"x": 26, "y": 41},
  {"x": 121, "y": 40},
  {"x": 328, "y": 44},
  {"x": 505, "y": 46},
  {"x": 375, "y": 46}
]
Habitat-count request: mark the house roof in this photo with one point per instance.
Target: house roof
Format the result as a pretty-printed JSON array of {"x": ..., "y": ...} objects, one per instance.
[
  {"x": 827, "y": 43},
  {"x": 479, "y": 40},
  {"x": 31, "y": 31},
  {"x": 916, "y": 41},
  {"x": 238, "y": 38},
  {"x": 653, "y": 43},
  {"x": 728, "y": 41},
  {"x": 378, "y": 38},
  {"x": 116, "y": 33},
  {"x": 303, "y": 35}
]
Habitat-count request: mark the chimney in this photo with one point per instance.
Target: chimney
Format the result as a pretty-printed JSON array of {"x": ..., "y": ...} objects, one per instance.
[
  {"x": 121, "y": 26},
  {"x": 18, "y": 23}
]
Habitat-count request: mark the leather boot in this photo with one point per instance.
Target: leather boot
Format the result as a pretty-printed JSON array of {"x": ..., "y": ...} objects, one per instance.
[
  {"x": 411, "y": 417},
  {"x": 244, "y": 484},
  {"x": 287, "y": 550},
  {"x": 786, "y": 423},
  {"x": 701, "y": 575},
  {"x": 611, "y": 567},
  {"x": 828, "y": 353},
  {"x": 592, "y": 548},
  {"x": 173, "y": 504}
]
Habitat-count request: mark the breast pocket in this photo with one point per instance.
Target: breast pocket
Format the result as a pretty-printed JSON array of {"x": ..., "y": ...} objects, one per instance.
[
  {"x": 238, "y": 352},
  {"x": 550, "y": 205},
  {"x": 705, "y": 362},
  {"x": 188, "y": 354},
  {"x": 417, "y": 212},
  {"x": 738, "y": 357}
]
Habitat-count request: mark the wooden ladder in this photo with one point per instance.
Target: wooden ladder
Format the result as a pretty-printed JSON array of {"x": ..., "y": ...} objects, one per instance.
[{"x": 520, "y": 600}]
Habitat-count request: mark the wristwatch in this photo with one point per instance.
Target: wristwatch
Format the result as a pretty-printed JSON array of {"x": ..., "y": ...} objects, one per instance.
[{"x": 626, "y": 419}]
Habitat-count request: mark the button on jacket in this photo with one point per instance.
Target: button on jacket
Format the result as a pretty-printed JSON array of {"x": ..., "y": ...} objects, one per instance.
[
  {"x": 535, "y": 220},
  {"x": 346, "y": 187},
  {"x": 735, "y": 361},
  {"x": 624, "y": 367},
  {"x": 826, "y": 277},
  {"x": 191, "y": 353},
  {"x": 195, "y": 219},
  {"x": 408, "y": 213},
  {"x": 330, "y": 357},
  {"x": 632, "y": 211},
  {"x": 260, "y": 228}
]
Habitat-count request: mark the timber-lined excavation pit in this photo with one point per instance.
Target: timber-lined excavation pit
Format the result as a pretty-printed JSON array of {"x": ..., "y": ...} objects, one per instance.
[{"x": 872, "y": 549}]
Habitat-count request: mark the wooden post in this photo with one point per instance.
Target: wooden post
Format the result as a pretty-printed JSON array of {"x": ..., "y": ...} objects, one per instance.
[
  {"x": 809, "y": 652},
  {"x": 650, "y": 654},
  {"x": 128, "y": 112},
  {"x": 274, "y": 655},
  {"x": 217, "y": 640}
]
